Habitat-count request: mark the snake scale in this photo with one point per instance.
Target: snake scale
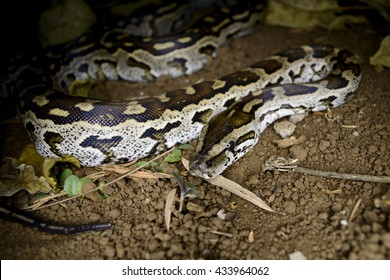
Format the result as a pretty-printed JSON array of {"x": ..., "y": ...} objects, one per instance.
[{"x": 227, "y": 115}]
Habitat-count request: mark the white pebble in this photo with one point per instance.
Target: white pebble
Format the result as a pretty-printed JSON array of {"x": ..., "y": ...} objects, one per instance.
[
  {"x": 284, "y": 128},
  {"x": 297, "y": 255}
]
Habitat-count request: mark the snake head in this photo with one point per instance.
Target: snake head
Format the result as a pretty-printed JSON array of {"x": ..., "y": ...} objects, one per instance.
[{"x": 226, "y": 138}]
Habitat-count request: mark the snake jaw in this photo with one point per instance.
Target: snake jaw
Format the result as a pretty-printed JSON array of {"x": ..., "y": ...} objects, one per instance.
[{"x": 200, "y": 168}]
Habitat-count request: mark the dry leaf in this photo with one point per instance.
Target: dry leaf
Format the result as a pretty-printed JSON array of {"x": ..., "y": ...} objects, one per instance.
[
  {"x": 288, "y": 142},
  {"x": 235, "y": 188},
  {"x": 168, "y": 208}
]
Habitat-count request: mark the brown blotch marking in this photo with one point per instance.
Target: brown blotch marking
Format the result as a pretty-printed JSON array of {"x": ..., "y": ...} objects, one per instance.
[
  {"x": 250, "y": 135},
  {"x": 224, "y": 123},
  {"x": 158, "y": 134},
  {"x": 52, "y": 138},
  {"x": 336, "y": 82},
  {"x": 293, "y": 54},
  {"x": 342, "y": 65},
  {"x": 202, "y": 117},
  {"x": 322, "y": 51},
  {"x": 269, "y": 66},
  {"x": 103, "y": 145}
]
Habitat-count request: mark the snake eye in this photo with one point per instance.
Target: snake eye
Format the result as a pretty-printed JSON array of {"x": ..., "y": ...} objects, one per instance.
[{"x": 230, "y": 145}]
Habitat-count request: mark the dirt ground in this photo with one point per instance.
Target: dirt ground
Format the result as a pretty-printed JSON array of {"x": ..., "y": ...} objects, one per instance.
[{"x": 318, "y": 220}]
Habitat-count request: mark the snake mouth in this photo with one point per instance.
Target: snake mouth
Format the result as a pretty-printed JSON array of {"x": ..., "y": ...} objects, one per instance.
[{"x": 200, "y": 168}]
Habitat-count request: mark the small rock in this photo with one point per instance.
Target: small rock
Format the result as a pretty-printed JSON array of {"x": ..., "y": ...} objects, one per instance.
[
  {"x": 109, "y": 251},
  {"x": 289, "y": 207},
  {"x": 94, "y": 217},
  {"x": 297, "y": 255},
  {"x": 253, "y": 180},
  {"x": 157, "y": 255},
  {"x": 202, "y": 229},
  {"x": 372, "y": 149},
  {"x": 251, "y": 237},
  {"x": 115, "y": 213},
  {"x": 103, "y": 241},
  {"x": 370, "y": 216},
  {"x": 284, "y": 128},
  {"x": 221, "y": 214},
  {"x": 120, "y": 251},
  {"x": 191, "y": 206},
  {"x": 298, "y": 152},
  {"x": 386, "y": 240},
  {"x": 324, "y": 145}
]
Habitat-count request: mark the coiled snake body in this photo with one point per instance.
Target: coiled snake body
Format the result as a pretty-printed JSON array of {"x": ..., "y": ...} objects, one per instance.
[{"x": 229, "y": 113}]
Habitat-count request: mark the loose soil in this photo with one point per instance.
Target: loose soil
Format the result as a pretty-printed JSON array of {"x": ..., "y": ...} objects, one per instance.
[{"x": 318, "y": 220}]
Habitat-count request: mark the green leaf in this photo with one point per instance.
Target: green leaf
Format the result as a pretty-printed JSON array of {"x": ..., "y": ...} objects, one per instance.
[
  {"x": 173, "y": 157},
  {"x": 73, "y": 185},
  {"x": 64, "y": 175},
  {"x": 142, "y": 164}
]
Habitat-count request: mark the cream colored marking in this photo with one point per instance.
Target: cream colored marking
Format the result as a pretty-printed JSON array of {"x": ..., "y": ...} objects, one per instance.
[
  {"x": 219, "y": 26},
  {"x": 128, "y": 44},
  {"x": 184, "y": 39},
  {"x": 147, "y": 39},
  {"x": 84, "y": 106},
  {"x": 163, "y": 46},
  {"x": 218, "y": 84},
  {"x": 134, "y": 108},
  {"x": 82, "y": 48},
  {"x": 241, "y": 16},
  {"x": 40, "y": 100},
  {"x": 190, "y": 90},
  {"x": 163, "y": 98},
  {"x": 231, "y": 113},
  {"x": 209, "y": 19},
  {"x": 248, "y": 106},
  {"x": 59, "y": 112}
]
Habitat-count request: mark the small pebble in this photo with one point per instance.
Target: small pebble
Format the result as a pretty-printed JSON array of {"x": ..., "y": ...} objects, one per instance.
[
  {"x": 289, "y": 207},
  {"x": 93, "y": 217},
  {"x": 324, "y": 145},
  {"x": 297, "y": 255},
  {"x": 386, "y": 240},
  {"x": 109, "y": 251},
  {"x": 115, "y": 213},
  {"x": 298, "y": 152},
  {"x": 370, "y": 216},
  {"x": 284, "y": 128},
  {"x": 251, "y": 237}
]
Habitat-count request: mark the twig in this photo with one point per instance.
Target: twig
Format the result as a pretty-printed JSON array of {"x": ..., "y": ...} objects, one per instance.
[
  {"x": 282, "y": 164},
  {"x": 346, "y": 176}
]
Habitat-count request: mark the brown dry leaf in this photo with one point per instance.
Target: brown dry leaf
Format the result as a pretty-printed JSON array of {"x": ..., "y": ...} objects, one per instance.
[
  {"x": 168, "y": 208},
  {"x": 382, "y": 56},
  {"x": 15, "y": 177},
  {"x": 49, "y": 163},
  {"x": 235, "y": 188},
  {"x": 288, "y": 142},
  {"x": 195, "y": 207}
]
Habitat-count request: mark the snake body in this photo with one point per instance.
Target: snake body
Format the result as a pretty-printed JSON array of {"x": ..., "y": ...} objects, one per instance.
[{"x": 228, "y": 113}]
